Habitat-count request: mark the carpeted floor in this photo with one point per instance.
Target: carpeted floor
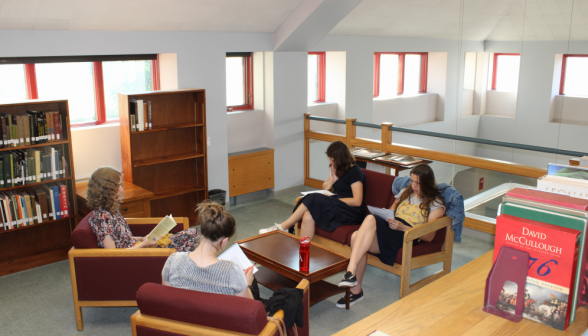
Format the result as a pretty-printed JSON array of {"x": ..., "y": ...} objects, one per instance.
[{"x": 39, "y": 301}]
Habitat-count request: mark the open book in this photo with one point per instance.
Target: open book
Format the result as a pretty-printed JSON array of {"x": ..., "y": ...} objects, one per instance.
[
  {"x": 163, "y": 228},
  {"x": 236, "y": 255},
  {"x": 381, "y": 212},
  {"x": 328, "y": 193}
]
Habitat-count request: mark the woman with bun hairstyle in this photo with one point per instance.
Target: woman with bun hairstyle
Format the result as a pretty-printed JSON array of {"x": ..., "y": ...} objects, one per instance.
[
  {"x": 104, "y": 194},
  {"x": 346, "y": 207},
  {"x": 201, "y": 270},
  {"x": 415, "y": 205}
]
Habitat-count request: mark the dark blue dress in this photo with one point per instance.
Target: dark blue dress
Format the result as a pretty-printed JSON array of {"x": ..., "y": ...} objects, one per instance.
[{"x": 329, "y": 212}]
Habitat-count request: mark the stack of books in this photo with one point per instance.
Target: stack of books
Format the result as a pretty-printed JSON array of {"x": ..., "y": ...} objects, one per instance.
[
  {"x": 403, "y": 160},
  {"x": 23, "y": 208},
  {"x": 21, "y": 167},
  {"x": 566, "y": 180},
  {"x": 141, "y": 116},
  {"x": 30, "y": 128},
  {"x": 552, "y": 228},
  {"x": 366, "y": 153}
]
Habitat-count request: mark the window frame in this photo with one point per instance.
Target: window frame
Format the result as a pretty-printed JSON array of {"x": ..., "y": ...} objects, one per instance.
[
  {"x": 322, "y": 75},
  {"x": 563, "y": 70},
  {"x": 401, "y": 71},
  {"x": 495, "y": 66},
  {"x": 247, "y": 81},
  {"x": 97, "y": 76}
]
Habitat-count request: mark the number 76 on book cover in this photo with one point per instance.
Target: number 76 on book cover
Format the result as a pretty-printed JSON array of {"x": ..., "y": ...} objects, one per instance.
[{"x": 553, "y": 256}]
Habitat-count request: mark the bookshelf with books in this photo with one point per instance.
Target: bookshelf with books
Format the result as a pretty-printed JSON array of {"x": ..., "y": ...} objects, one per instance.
[
  {"x": 163, "y": 147},
  {"x": 37, "y": 184}
]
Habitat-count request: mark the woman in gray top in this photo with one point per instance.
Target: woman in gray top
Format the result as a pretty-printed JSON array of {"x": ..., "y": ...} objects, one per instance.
[{"x": 201, "y": 270}]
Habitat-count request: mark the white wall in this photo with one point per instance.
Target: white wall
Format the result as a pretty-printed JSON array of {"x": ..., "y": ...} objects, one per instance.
[
  {"x": 245, "y": 130},
  {"x": 200, "y": 64},
  {"x": 406, "y": 110},
  {"x": 501, "y": 103},
  {"x": 95, "y": 147},
  {"x": 335, "y": 82},
  {"x": 569, "y": 110},
  {"x": 327, "y": 110}
]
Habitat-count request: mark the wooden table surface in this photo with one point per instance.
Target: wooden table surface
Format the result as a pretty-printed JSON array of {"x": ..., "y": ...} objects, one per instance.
[
  {"x": 452, "y": 305},
  {"x": 130, "y": 194}
]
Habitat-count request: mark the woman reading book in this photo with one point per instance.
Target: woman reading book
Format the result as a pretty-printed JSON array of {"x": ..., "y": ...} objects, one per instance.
[
  {"x": 346, "y": 207},
  {"x": 415, "y": 205},
  {"x": 104, "y": 193},
  {"x": 201, "y": 270}
]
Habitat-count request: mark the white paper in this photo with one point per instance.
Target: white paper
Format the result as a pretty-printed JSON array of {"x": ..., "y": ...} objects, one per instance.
[
  {"x": 380, "y": 212},
  {"x": 328, "y": 193},
  {"x": 236, "y": 255}
]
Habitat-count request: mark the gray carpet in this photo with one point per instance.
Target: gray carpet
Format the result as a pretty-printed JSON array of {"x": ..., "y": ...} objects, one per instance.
[{"x": 39, "y": 301}]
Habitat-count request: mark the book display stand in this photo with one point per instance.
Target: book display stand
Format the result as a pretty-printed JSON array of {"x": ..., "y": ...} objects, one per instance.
[
  {"x": 169, "y": 157},
  {"x": 511, "y": 265},
  {"x": 37, "y": 242}
]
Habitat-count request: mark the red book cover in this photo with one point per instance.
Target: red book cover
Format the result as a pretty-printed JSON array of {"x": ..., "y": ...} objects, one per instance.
[
  {"x": 63, "y": 199},
  {"x": 553, "y": 252},
  {"x": 57, "y": 126},
  {"x": 550, "y": 198}
]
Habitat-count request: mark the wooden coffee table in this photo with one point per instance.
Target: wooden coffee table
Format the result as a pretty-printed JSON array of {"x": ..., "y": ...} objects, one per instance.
[{"x": 278, "y": 252}]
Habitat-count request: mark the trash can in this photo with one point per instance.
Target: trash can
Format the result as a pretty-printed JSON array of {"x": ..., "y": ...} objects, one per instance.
[{"x": 217, "y": 195}]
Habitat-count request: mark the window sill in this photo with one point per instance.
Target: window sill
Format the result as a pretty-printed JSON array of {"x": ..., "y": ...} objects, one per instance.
[
  {"x": 572, "y": 96},
  {"x": 321, "y": 103},
  {"x": 244, "y": 111},
  {"x": 90, "y": 127},
  {"x": 404, "y": 96}
]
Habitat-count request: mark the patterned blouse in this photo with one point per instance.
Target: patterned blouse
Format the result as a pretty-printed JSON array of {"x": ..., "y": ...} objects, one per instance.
[{"x": 104, "y": 223}]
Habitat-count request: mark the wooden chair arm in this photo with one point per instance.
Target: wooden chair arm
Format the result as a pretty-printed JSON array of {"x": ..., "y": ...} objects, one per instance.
[
  {"x": 98, "y": 252},
  {"x": 298, "y": 199},
  {"x": 184, "y": 221},
  {"x": 271, "y": 328},
  {"x": 426, "y": 228}
]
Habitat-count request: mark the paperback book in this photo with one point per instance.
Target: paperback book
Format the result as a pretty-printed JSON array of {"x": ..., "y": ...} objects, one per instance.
[{"x": 553, "y": 252}]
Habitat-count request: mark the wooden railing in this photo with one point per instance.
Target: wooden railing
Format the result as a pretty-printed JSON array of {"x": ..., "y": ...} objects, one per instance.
[{"x": 386, "y": 145}]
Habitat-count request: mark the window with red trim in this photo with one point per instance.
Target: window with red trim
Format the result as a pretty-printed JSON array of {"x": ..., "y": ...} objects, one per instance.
[
  {"x": 397, "y": 73},
  {"x": 91, "y": 87},
  {"x": 316, "y": 76},
  {"x": 574, "y": 71},
  {"x": 239, "y": 67},
  {"x": 505, "y": 72}
]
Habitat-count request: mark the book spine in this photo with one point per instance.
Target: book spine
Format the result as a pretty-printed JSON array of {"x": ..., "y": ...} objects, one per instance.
[
  {"x": 149, "y": 115},
  {"x": 63, "y": 201},
  {"x": 55, "y": 189}
]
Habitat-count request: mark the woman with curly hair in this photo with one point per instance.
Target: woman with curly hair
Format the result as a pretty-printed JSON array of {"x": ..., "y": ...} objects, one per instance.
[
  {"x": 415, "y": 205},
  {"x": 104, "y": 195},
  {"x": 346, "y": 207}
]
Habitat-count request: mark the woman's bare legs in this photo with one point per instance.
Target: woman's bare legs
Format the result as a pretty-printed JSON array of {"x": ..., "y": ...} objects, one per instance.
[
  {"x": 295, "y": 217},
  {"x": 307, "y": 227},
  {"x": 363, "y": 241}
]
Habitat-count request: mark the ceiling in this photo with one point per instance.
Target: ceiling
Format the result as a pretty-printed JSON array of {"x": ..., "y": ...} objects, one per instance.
[
  {"x": 506, "y": 20},
  {"x": 192, "y": 15}
]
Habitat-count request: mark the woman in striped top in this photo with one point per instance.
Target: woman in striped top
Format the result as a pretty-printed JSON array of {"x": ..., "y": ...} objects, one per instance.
[{"x": 201, "y": 270}]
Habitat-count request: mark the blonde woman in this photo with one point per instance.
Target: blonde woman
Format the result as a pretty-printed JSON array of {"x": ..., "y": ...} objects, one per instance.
[{"x": 104, "y": 194}]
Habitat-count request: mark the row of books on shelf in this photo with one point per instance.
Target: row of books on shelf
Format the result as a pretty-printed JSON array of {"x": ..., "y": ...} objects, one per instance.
[
  {"x": 23, "y": 208},
  {"x": 367, "y": 153},
  {"x": 21, "y": 167},
  {"x": 141, "y": 116},
  {"x": 551, "y": 224},
  {"x": 30, "y": 128}
]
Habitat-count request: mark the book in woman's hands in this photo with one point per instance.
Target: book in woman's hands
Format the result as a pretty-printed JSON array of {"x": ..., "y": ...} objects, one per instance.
[
  {"x": 236, "y": 255},
  {"x": 381, "y": 212},
  {"x": 326, "y": 192},
  {"x": 163, "y": 228}
]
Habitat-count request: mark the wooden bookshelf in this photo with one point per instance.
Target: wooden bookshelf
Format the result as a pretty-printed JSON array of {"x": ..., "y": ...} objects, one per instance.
[
  {"x": 169, "y": 159},
  {"x": 47, "y": 242}
]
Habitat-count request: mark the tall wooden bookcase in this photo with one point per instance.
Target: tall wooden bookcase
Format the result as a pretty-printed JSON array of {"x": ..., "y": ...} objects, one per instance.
[
  {"x": 40, "y": 244},
  {"x": 169, "y": 159}
]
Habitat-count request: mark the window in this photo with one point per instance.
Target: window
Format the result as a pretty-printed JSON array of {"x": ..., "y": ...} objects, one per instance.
[
  {"x": 316, "y": 77},
  {"x": 574, "y": 72},
  {"x": 239, "y": 81},
  {"x": 505, "y": 74},
  {"x": 399, "y": 73},
  {"x": 90, "y": 83}
]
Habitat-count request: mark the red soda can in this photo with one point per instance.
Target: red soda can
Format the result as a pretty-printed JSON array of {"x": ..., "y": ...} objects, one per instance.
[{"x": 304, "y": 254}]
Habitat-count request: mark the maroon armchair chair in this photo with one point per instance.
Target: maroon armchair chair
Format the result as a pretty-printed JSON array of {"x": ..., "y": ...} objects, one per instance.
[
  {"x": 440, "y": 249},
  {"x": 167, "y": 311},
  {"x": 110, "y": 277}
]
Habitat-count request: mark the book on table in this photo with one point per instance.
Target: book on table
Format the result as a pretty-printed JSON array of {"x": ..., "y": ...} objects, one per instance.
[
  {"x": 563, "y": 185},
  {"x": 555, "y": 209},
  {"x": 575, "y": 172},
  {"x": 403, "y": 160},
  {"x": 366, "y": 153},
  {"x": 553, "y": 255}
]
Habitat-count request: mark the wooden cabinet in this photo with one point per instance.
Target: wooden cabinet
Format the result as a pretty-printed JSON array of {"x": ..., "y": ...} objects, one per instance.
[
  {"x": 251, "y": 171},
  {"x": 136, "y": 201},
  {"x": 169, "y": 159},
  {"x": 43, "y": 243}
]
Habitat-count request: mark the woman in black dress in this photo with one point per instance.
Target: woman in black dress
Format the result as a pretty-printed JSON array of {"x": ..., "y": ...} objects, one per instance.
[{"x": 346, "y": 207}]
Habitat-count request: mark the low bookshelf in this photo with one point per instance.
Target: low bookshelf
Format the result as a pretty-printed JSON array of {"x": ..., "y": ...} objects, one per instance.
[
  {"x": 39, "y": 242},
  {"x": 168, "y": 155}
]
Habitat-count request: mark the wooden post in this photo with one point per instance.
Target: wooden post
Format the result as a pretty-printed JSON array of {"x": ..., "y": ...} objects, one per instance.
[
  {"x": 386, "y": 136},
  {"x": 350, "y": 131},
  {"x": 306, "y": 122}
]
